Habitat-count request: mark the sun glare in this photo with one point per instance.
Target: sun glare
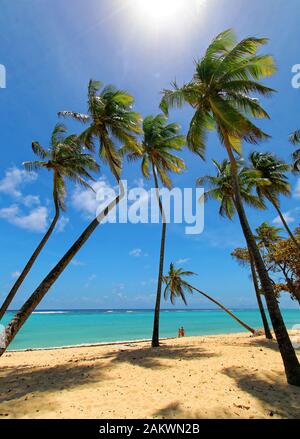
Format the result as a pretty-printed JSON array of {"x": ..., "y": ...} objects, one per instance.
[{"x": 159, "y": 10}]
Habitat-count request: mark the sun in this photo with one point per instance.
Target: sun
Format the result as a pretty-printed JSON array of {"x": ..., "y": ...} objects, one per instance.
[{"x": 159, "y": 10}]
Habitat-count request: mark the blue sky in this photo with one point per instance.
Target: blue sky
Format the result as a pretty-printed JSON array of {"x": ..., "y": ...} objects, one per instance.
[{"x": 50, "y": 50}]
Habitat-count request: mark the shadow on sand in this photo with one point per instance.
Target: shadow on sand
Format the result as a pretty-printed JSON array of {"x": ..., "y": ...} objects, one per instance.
[
  {"x": 17, "y": 383},
  {"x": 152, "y": 357},
  {"x": 272, "y": 391}
]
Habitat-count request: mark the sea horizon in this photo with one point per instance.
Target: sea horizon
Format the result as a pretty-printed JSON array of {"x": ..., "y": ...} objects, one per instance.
[{"x": 54, "y": 328}]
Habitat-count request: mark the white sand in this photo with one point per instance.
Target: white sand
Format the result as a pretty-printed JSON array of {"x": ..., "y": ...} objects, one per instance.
[{"x": 227, "y": 376}]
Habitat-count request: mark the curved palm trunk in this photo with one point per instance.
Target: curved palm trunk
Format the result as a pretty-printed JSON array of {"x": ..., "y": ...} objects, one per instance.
[
  {"x": 258, "y": 297},
  {"x": 290, "y": 360},
  {"x": 155, "y": 334},
  {"x": 22, "y": 315},
  {"x": 224, "y": 309},
  {"x": 297, "y": 244},
  {"x": 30, "y": 263}
]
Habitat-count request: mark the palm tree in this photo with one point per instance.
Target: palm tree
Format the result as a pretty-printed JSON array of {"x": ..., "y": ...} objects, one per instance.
[
  {"x": 243, "y": 257},
  {"x": 111, "y": 119},
  {"x": 267, "y": 235},
  {"x": 221, "y": 189},
  {"x": 295, "y": 139},
  {"x": 220, "y": 93},
  {"x": 156, "y": 152},
  {"x": 177, "y": 287},
  {"x": 66, "y": 160},
  {"x": 273, "y": 171}
]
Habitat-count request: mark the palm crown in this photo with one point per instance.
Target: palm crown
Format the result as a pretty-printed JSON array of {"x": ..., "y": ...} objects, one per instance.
[
  {"x": 111, "y": 120},
  {"x": 221, "y": 188},
  {"x": 159, "y": 141},
  {"x": 295, "y": 139},
  {"x": 220, "y": 92},
  {"x": 66, "y": 159},
  {"x": 273, "y": 173},
  {"x": 267, "y": 235},
  {"x": 176, "y": 286}
]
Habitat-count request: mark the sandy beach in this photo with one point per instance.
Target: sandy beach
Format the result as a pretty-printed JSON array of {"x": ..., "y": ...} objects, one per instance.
[{"x": 226, "y": 376}]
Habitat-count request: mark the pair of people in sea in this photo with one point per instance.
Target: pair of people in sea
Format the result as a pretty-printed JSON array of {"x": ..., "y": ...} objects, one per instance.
[{"x": 181, "y": 332}]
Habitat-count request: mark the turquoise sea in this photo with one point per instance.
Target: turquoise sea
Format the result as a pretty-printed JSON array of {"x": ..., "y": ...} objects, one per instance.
[{"x": 46, "y": 329}]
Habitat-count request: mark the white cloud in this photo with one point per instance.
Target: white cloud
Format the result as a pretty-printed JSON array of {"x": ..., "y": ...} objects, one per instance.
[
  {"x": 61, "y": 224},
  {"x": 136, "y": 252},
  {"x": 35, "y": 221},
  {"x": 87, "y": 201},
  {"x": 15, "y": 274},
  {"x": 77, "y": 263},
  {"x": 182, "y": 261},
  {"x": 31, "y": 200},
  {"x": 90, "y": 279},
  {"x": 14, "y": 179},
  {"x": 287, "y": 216}
]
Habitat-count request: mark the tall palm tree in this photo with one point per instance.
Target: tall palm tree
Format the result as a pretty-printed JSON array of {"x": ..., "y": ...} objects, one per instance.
[
  {"x": 111, "y": 120},
  {"x": 156, "y": 152},
  {"x": 177, "y": 287},
  {"x": 221, "y": 189},
  {"x": 243, "y": 257},
  {"x": 66, "y": 160},
  {"x": 273, "y": 171},
  {"x": 220, "y": 93},
  {"x": 295, "y": 139}
]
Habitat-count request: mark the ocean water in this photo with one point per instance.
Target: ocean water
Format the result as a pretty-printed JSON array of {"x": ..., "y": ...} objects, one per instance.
[{"x": 46, "y": 329}]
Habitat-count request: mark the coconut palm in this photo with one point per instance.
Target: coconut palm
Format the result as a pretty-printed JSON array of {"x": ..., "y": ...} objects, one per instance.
[
  {"x": 221, "y": 189},
  {"x": 267, "y": 235},
  {"x": 111, "y": 120},
  {"x": 273, "y": 171},
  {"x": 295, "y": 139},
  {"x": 156, "y": 152},
  {"x": 221, "y": 95},
  {"x": 66, "y": 160},
  {"x": 177, "y": 287},
  {"x": 244, "y": 258}
]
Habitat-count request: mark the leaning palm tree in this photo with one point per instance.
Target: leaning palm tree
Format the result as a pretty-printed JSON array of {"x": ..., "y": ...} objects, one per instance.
[
  {"x": 221, "y": 189},
  {"x": 156, "y": 152},
  {"x": 244, "y": 258},
  {"x": 110, "y": 119},
  {"x": 221, "y": 95},
  {"x": 66, "y": 159},
  {"x": 295, "y": 139},
  {"x": 273, "y": 171},
  {"x": 177, "y": 287}
]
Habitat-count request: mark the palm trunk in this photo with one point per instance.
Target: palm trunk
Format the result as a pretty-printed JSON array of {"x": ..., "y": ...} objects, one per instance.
[
  {"x": 297, "y": 244},
  {"x": 30, "y": 263},
  {"x": 155, "y": 334},
  {"x": 30, "y": 305},
  {"x": 224, "y": 309},
  {"x": 290, "y": 360},
  {"x": 258, "y": 297}
]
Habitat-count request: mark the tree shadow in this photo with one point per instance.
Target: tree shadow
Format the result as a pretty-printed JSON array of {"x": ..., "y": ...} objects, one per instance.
[
  {"x": 272, "y": 391},
  {"x": 17, "y": 383},
  {"x": 265, "y": 343},
  {"x": 149, "y": 357},
  {"x": 176, "y": 411}
]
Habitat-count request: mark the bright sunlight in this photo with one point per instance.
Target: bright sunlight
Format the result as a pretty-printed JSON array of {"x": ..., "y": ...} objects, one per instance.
[{"x": 159, "y": 10}]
